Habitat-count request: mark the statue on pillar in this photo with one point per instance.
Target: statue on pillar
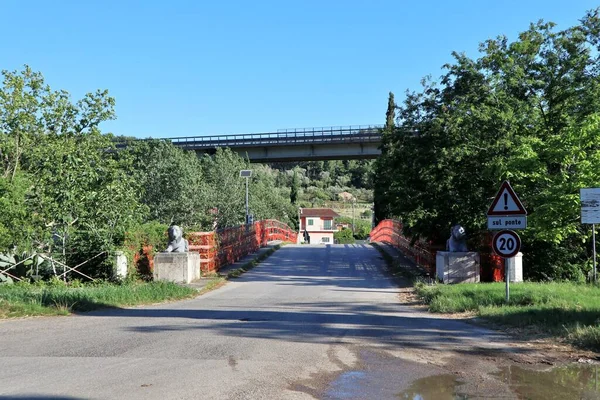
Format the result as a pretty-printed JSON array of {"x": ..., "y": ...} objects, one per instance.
[
  {"x": 457, "y": 241},
  {"x": 177, "y": 244}
]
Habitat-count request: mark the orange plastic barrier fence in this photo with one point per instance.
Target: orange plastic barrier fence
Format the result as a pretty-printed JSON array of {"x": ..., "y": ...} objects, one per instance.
[
  {"x": 228, "y": 245},
  {"x": 390, "y": 231}
]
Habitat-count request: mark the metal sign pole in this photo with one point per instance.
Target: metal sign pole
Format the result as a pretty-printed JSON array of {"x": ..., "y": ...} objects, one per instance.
[
  {"x": 247, "y": 211},
  {"x": 594, "y": 250},
  {"x": 507, "y": 278}
]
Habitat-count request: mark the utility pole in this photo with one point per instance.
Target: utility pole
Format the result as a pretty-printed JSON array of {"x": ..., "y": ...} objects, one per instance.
[
  {"x": 246, "y": 173},
  {"x": 352, "y": 217}
]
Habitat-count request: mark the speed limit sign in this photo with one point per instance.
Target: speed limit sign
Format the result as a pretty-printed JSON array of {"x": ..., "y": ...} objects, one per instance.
[{"x": 506, "y": 244}]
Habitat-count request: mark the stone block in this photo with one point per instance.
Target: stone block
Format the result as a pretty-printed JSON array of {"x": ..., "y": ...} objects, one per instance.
[
  {"x": 515, "y": 268},
  {"x": 177, "y": 267},
  {"x": 457, "y": 267},
  {"x": 120, "y": 265}
]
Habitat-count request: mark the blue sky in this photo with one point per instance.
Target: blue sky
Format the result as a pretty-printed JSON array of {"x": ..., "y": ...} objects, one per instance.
[{"x": 187, "y": 68}]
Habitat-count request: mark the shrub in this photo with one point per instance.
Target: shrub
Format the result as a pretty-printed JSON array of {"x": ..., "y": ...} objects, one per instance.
[
  {"x": 141, "y": 243},
  {"x": 344, "y": 237}
]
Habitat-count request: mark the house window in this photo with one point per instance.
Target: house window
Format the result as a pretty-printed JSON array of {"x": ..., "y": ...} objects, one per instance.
[
  {"x": 325, "y": 240},
  {"x": 327, "y": 223},
  {"x": 310, "y": 222}
]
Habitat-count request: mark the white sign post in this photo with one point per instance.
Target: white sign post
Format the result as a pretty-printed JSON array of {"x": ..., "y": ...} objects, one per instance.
[
  {"x": 506, "y": 212},
  {"x": 507, "y": 245},
  {"x": 590, "y": 214}
]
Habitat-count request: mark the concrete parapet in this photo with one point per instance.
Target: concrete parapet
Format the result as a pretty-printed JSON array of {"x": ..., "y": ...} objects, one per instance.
[
  {"x": 457, "y": 267},
  {"x": 177, "y": 267}
]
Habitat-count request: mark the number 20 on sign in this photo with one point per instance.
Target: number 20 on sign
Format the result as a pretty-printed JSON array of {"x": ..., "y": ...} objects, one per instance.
[{"x": 507, "y": 244}]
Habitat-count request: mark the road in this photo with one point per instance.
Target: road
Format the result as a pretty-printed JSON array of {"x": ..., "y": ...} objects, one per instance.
[{"x": 309, "y": 322}]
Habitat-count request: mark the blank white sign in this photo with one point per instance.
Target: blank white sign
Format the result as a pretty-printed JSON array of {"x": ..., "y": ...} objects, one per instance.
[{"x": 590, "y": 205}]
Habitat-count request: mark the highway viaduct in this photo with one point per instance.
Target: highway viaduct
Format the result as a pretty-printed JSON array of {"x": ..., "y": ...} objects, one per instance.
[{"x": 307, "y": 144}]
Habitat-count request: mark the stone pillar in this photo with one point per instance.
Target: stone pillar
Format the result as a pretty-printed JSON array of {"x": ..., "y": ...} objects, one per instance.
[
  {"x": 177, "y": 267},
  {"x": 516, "y": 268},
  {"x": 457, "y": 267},
  {"x": 120, "y": 265}
]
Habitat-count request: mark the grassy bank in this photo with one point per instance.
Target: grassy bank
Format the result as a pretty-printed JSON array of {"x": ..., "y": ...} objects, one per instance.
[
  {"x": 21, "y": 300},
  {"x": 566, "y": 310}
]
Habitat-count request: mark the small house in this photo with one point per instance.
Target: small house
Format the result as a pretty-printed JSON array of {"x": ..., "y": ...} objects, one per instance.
[{"x": 316, "y": 225}]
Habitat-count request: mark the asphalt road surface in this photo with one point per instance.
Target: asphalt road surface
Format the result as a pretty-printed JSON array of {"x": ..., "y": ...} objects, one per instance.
[{"x": 309, "y": 322}]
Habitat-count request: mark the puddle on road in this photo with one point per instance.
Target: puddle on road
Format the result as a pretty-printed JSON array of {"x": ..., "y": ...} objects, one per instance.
[
  {"x": 381, "y": 377},
  {"x": 347, "y": 385},
  {"x": 438, "y": 387},
  {"x": 568, "y": 382}
]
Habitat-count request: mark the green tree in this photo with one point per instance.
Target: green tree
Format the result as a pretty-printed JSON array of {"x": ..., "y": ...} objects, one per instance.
[
  {"x": 30, "y": 110},
  {"x": 17, "y": 226},
  {"x": 269, "y": 201},
  {"x": 81, "y": 191},
  {"x": 226, "y": 190},
  {"x": 382, "y": 170},
  {"x": 295, "y": 188},
  {"x": 172, "y": 182},
  {"x": 525, "y": 111},
  {"x": 390, "y": 114},
  {"x": 62, "y": 180},
  {"x": 344, "y": 237}
]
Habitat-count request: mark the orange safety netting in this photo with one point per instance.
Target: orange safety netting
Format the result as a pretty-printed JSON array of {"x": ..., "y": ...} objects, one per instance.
[
  {"x": 228, "y": 245},
  {"x": 390, "y": 231}
]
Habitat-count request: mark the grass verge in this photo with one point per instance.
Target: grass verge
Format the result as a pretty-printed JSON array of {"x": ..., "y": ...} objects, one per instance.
[
  {"x": 214, "y": 283},
  {"x": 563, "y": 310},
  {"x": 22, "y": 300},
  {"x": 57, "y": 298}
]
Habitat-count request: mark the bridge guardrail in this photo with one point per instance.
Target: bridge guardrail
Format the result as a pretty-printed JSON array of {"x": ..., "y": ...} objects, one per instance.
[
  {"x": 369, "y": 133},
  {"x": 228, "y": 245},
  {"x": 390, "y": 231}
]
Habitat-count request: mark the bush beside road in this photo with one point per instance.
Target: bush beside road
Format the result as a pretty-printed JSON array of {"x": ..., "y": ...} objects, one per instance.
[{"x": 567, "y": 311}]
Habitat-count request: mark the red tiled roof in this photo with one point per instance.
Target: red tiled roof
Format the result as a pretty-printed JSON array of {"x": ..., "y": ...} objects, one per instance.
[{"x": 318, "y": 212}]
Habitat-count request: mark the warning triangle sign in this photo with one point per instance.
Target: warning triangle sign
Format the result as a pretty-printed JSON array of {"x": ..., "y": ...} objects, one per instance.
[{"x": 506, "y": 202}]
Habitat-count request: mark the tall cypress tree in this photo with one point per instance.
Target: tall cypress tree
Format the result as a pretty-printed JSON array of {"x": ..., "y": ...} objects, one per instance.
[
  {"x": 295, "y": 188},
  {"x": 390, "y": 114},
  {"x": 380, "y": 203}
]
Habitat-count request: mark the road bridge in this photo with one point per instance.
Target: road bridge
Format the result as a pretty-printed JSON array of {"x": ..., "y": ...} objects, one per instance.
[
  {"x": 311, "y": 321},
  {"x": 306, "y": 144}
]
